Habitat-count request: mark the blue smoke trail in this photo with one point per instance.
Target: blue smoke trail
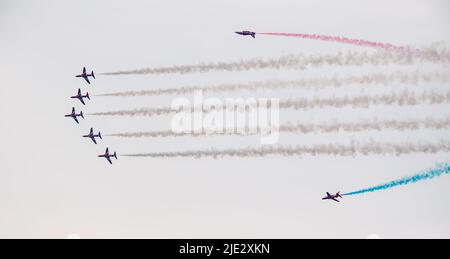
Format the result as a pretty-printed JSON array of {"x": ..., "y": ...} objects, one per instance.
[{"x": 425, "y": 175}]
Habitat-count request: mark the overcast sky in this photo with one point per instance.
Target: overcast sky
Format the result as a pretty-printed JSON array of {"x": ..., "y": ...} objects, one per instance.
[{"x": 52, "y": 185}]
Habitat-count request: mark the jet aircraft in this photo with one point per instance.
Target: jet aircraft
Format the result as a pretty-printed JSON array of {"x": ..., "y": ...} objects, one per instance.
[
  {"x": 81, "y": 97},
  {"x": 333, "y": 197},
  {"x": 75, "y": 116},
  {"x": 92, "y": 136},
  {"x": 86, "y": 75},
  {"x": 247, "y": 33},
  {"x": 108, "y": 156}
]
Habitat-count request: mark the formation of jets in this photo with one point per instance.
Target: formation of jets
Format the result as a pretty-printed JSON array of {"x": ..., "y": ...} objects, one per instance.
[
  {"x": 74, "y": 115},
  {"x": 107, "y": 154},
  {"x": 247, "y": 33},
  {"x": 333, "y": 197}
]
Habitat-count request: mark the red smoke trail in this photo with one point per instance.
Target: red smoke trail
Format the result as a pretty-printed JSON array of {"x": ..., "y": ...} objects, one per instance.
[{"x": 363, "y": 43}]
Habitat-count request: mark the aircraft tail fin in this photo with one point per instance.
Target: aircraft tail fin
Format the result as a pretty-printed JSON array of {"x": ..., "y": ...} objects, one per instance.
[
  {"x": 115, "y": 155},
  {"x": 254, "y": 35},
  {"x": 92, "y": 74},
  {"x": 87, "y": 96},
  {"x": 100, "y": 135},
  {"x": 82, "y": 115}
]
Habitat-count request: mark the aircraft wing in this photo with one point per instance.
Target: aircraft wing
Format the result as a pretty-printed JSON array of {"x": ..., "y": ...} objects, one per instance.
[
  {"x": 87, "y": 79},
  {"x": 82, "y": 101},
  {"x": 109, "y": 159},
  {"x": 335, "y": 200},
  {"x": 76, "y": 119},
  {"x": 93, "y": 139}
]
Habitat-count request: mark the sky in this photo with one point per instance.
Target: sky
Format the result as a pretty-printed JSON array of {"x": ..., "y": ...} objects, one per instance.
[{"x": 52, "y": 185}]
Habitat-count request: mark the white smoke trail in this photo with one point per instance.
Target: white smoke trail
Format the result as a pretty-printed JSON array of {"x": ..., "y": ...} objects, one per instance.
[
  {"x": 295, "y": 61},
  {"x": 354, "y": 149},
  {"x": 308, "y": 128},
  {"x": 138, "y": 112},
  {"x": 312, "y": 83},
  {"x": 405, "y": 98}
]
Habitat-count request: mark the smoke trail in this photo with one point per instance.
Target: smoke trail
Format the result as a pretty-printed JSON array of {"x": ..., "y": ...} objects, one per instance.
[
  {"x": 308, "y": 128},
  {"x": 354, "y": 149},
  {"x": 365, "y": 43},
  {"x": 357, "y": 42},
  {"x": 312, "y": 83},
  {"x": 405, "y": 98},
  {"x": 138, "y": 112},
  {"x": 425, "y": 175},
  {"x": 295, "y": 61}
]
